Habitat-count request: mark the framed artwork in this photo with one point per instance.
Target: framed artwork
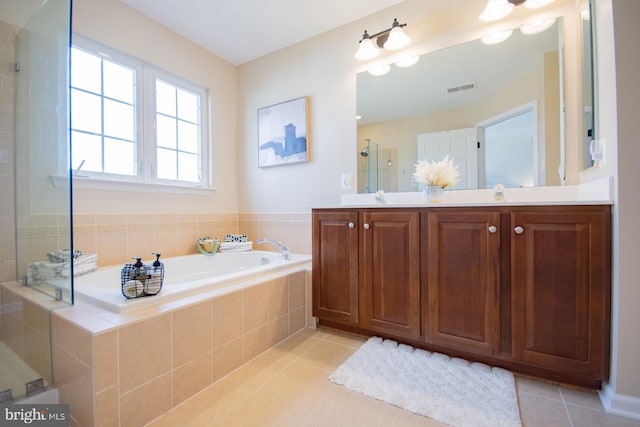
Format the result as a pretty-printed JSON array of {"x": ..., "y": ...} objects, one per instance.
[{"x": 283, "y": 133}]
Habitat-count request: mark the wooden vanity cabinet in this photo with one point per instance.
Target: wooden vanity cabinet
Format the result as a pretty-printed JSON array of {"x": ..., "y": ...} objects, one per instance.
[
  {"x": 390, "y": 297},
  {"x": 335, "y": 266},
  {"x": 463, "y": 279},
  {"x": 366, "y": 270},
  {"x": 560, "y": 281},
  {"x": 522, "y": 287}
]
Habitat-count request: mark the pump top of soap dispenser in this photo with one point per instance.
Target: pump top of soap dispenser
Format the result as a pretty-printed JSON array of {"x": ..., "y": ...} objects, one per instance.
[
  {"x": 157, "y": 262},
  {"x": 138, "y": 263}
]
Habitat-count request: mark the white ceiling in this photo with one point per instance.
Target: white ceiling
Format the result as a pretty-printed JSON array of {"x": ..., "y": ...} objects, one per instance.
[{"x": 243, "y": 30}]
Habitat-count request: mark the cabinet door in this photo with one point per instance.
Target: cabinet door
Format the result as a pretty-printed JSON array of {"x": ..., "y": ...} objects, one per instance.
[
  {"x": 335, "y": 265},
  {"x": 390, "y": 272},
  {"x": 463, "y": 275},
  {"x": 560, "y": 289}
]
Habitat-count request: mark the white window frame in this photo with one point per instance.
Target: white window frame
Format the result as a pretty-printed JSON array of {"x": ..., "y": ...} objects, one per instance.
[{"x": 145, "y": 178}]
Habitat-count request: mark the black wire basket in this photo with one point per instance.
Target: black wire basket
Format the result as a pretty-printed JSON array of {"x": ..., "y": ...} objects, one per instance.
[{"x": 140, "y": 280}]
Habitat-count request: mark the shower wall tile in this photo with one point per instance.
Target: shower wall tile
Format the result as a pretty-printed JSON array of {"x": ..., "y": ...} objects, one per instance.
[
  {"x": 7, "y": 237},
  {"x": 7, "y": 271},
  {"x": 6, "y": 144}
]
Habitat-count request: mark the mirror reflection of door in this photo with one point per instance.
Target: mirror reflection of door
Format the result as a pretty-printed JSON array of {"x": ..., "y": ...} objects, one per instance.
[
  {"x": 460, "y": 145},
  {"x": 509, "y": 151}
]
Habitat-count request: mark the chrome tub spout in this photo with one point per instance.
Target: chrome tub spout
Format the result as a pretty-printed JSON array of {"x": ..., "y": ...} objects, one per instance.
[{"x": 282, "y": 247}]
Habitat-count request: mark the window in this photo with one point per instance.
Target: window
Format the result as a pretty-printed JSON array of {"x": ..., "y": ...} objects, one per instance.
[{"x": 133, "y": 122}]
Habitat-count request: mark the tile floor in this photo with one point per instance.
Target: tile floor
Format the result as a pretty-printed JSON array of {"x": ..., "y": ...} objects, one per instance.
[{"x": 288, "y": 386}]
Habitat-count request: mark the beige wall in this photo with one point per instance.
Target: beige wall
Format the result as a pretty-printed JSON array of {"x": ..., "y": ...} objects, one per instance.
[{"x": 617, "y": 68}]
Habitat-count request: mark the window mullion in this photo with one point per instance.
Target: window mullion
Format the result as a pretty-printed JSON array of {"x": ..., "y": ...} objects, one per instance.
[{"x": 149, "y": 128}]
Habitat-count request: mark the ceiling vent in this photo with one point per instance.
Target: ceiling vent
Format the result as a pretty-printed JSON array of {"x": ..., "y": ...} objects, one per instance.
[{"x": 460, "y": 88}]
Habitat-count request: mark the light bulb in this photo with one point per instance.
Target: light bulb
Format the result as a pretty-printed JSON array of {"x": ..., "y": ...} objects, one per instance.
[
  {"x": 533, "y": 4},
  {"x": 407, "y": 61},
  {"x": 496, "y": 9},
  {"x": 379, "y": 69},
  {"x": 537, "y": 26},
  {"x": 397, "y": 39},
  {"x": 497, "y": 37}
]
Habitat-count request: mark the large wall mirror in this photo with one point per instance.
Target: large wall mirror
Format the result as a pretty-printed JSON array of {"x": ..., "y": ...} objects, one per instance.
[{"x": 507, "y": 97}]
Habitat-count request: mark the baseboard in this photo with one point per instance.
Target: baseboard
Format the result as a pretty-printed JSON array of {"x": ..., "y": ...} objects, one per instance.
[{"x": 618, "y": 404}]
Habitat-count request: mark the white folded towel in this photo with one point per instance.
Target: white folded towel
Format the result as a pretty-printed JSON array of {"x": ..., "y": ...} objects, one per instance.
[
  {"x": 40, "y": 271},
  {"x": 236, "y": 246}
]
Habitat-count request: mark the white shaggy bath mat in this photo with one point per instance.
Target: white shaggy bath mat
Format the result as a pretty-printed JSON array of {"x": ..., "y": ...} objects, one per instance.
[{"x": 449, "y": 390}]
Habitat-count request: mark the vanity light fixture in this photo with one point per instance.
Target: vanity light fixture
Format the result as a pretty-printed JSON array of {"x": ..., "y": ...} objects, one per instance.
[
  {"x": 392, "y": 39},
  {"x": 534, "y": 4},
  {"x": 498, "y": 9}
]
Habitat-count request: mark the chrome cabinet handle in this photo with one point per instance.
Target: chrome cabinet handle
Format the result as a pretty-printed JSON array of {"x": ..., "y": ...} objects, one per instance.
[
  {"x": 366, "y": 226},
  {"x": 518, "y": 230},
  {"x": 351, "y": 225},
  {"x": 493, "y": 229}
]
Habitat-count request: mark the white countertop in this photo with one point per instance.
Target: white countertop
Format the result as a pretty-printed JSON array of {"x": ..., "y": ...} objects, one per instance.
[{"x": 598, "y": 192}]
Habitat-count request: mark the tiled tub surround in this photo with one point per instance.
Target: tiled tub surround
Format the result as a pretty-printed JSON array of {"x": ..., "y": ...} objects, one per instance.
[
  {"x": 127, "y": 369},
  {"x": 25, "y": 325}
]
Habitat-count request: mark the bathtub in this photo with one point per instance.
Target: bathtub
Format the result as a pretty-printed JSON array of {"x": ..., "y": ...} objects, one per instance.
[{"x": 189, "y": 275}]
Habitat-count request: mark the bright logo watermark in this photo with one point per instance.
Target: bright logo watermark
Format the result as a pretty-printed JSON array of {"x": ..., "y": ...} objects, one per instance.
[{"x": 36, "y": 415}]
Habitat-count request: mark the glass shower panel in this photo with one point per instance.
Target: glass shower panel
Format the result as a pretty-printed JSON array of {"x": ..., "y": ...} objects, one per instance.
[
  {"x": 43, "y": 188},
  {"x": 377, "y": 168}
]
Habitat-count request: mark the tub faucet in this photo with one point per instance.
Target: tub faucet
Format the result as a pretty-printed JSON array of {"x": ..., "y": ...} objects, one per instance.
[{"x": 283, "y": 248}]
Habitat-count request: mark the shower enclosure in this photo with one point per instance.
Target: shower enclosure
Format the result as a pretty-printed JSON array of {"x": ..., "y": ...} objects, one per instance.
[
  {"x": 377, "y": 168},
  {"x": 35, "y": 217}
]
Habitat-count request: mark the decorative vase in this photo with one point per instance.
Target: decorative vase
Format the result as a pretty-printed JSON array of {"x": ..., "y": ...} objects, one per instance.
[{"x": 432, "y": 194}]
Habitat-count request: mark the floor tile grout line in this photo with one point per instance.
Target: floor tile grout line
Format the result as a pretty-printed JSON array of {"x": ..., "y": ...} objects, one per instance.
[
  {"x": 254, "y": 391},
  {"x": 566, "y": 410}
]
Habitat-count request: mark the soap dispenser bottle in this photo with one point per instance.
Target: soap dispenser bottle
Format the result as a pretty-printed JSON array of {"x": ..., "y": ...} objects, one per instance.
[{"x": 156, "y": 276}]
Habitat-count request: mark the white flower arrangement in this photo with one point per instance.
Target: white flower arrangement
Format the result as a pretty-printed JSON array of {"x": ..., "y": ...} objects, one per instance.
[{"x": 443, "y": 174}]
